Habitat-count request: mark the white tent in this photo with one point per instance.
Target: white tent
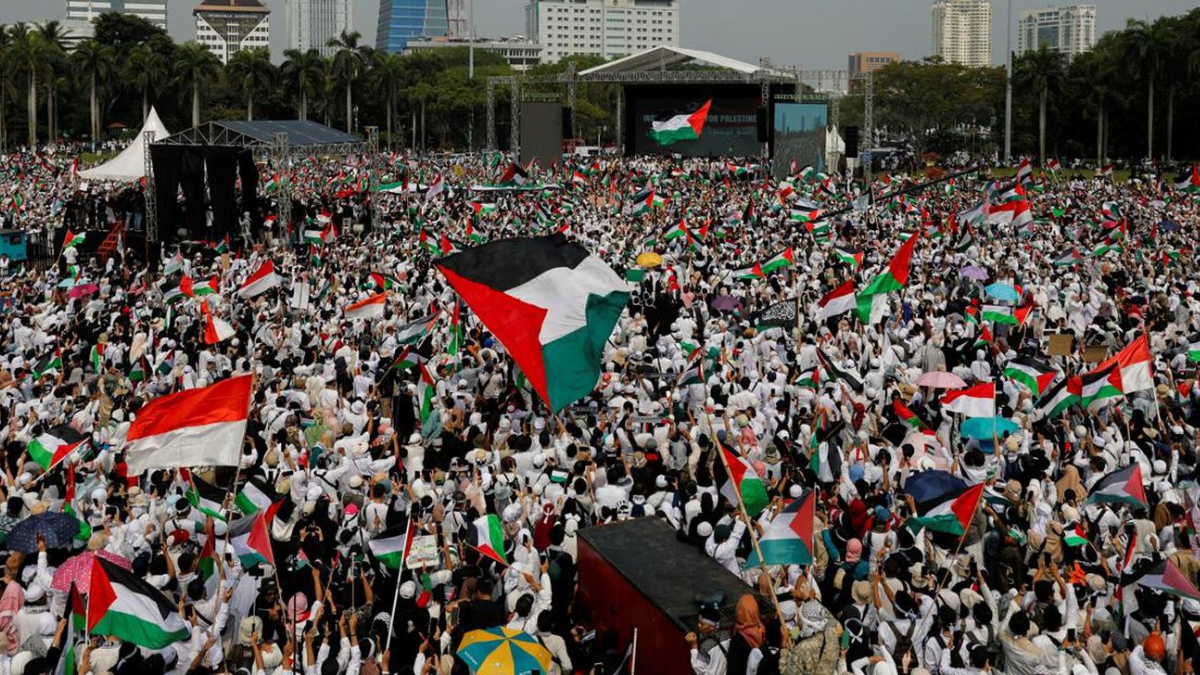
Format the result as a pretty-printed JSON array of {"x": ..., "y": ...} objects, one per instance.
[{"x": 130, "y": 165}]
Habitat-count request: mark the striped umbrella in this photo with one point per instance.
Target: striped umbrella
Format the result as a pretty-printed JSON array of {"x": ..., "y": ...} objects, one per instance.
[{"x": 503, "y": 651}]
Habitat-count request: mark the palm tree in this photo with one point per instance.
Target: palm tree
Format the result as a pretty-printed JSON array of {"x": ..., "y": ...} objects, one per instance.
[
  {"x": 52, "y": 35},
  {"x": 1041, "y": 71},
  {"x": 146, "y": 68},
  {"x": 5, "y": 58},
  {"x": 251, "y": 72},
  {"x": 194, "y": 66},
  {"x": 304, "y": 73},
  {"x": 1145, "y": 52},
  {"x": 95, "y": 63},
  {"x": 1093, "y": 71},
  {"x": 389, "y": 77},
  {"x": 420, "y": 93},
  {"x": 28, "y": 55},
  {"x": 349, "y": 64}
]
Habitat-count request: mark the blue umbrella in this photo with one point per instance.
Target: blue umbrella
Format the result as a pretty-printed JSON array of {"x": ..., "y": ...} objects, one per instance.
[
  {"x": 930, "y": 486},
  {"x": 1168, "y": 226},
  {"x": 57, "y": 529},
  {"x": 1001, "y": 291},
  {"x": 984, "y": 428}
]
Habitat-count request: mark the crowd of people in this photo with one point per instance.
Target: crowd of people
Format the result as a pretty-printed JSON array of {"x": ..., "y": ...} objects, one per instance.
[{"x": 419, "y": 423}]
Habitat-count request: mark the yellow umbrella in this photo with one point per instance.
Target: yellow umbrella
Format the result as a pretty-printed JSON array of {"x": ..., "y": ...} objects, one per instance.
[
  {"x": 503, "y": 651},
  {"x": 649, "y": 259}
]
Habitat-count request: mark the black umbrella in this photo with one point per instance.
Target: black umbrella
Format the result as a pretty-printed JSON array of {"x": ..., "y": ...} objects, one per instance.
[{"x": 57, "y": 529}]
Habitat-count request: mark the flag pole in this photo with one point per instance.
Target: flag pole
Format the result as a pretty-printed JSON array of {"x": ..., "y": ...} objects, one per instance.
[
  {"x": 399, "y": 573},
  {"x": 633, "y": 653},
  {"x": 720, "y": 448}
]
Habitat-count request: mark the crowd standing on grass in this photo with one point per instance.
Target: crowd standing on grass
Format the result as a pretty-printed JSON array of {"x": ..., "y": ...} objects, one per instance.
[{"x": 1059, "y": 540}]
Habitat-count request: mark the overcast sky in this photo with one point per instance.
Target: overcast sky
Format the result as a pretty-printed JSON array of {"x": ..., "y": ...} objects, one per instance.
[{"x": 815, "y": 34}]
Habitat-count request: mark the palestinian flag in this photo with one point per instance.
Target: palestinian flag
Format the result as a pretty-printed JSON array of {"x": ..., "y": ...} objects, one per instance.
[
  {"x": 854, "y": 260},
  {"x": 73, "y": 239},
  {"x": 1106, "y": 171},
  {"x": 1193, "y": 350},
  {"x": 138, "y": 370},
  {"x": 1134, "y": 360},
  {"x": 96, "y": 357},
  {"x": 195, "y": 427},
  {"x": 951, "y": 514},
  {"x": 382, "y": 281},
  {"x": 223, "y": 246},
  {"x": 832, "y": 369},
  {"x": 819, "y": 231},
  {"x": 174, "y": 294},
  {"x": 272, "y": 183},
  {"x": 123, "y": 605},
  {"x": 838, "y": 301},
  {"x": 1100, "y": 384},
  {"x": 578, "y": 178},
  {"x": 262, "y": 280},
  {"x": 1167, "y": 578},
  {"x": 1035, "y": 374},
  {"x": 256, "y": 495},
  {"x": 907, "y": 416},
  {"x": 1025, "y": 172},
  {"x": 48, "y": 363},
  {"x": 412, "y": 333},
  {"x": 680, "y": 230},
  {"x": 805, "y": 215},
  {"x": 1123, "y": 486},
  {"x": 976, "y": 401},
  {"x": 1013, "y": 316},
  {"x": 192, "y": 289},
  {"x": 173, "y": 265},
  {"x": 456, "y": 332},
  {"x": 483, "y": 208},
  {"x": 488, "y": 536},
  {"x": 1071, "y": 258},
  {"x": 514, "y": 175},
  {"x": 67, "y": 663},
  {"x": 695, "y": 372},
  {"x": 426, "y": 390},
  {"x": 205, "y": 498},
  {"x": 408, "y": 359},
  {"x": 391, "y": 547},
  {"x": 744, "y": 485},
  {"x": 687, "y": 127},
  {"x": 251, "y": 540},
  {"x": 473, "y": 236},
  {"x": 216, "y": 329},
  {"x": 551, "y": 304},
  {"x": 643, "y": 201},
  {"x": 1053, "y": 166},
  {"x": 809, "y": 379},
  {"x": 1010, "y": 208},
  {"x": 369, "y": 308},
  {"x": 1065, "y": 393},
  {"x": 788, "y": 540},
  {"x": 1190, "y": 184},
  {"x": 449, "y": 246},
  {"x": 55, "y": 445},
  {"x": 872, "y": 299}
]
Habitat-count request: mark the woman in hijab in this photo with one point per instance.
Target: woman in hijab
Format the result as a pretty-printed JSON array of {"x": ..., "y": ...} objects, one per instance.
[{"x": 747, "y": 645}]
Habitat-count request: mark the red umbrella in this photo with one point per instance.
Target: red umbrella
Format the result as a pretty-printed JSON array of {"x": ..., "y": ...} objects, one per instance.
[
  {"x": 82, "y": 290},
  {"x": 78, "y": 570}
]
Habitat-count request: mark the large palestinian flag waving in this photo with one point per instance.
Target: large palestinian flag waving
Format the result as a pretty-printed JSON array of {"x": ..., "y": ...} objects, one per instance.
[
  {"x": 789, "y": 538},
  {"x": 550, "y": 303},
  {"x": 122, "y": 604}
]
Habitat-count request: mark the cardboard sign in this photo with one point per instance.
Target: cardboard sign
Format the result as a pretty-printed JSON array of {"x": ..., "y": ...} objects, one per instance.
[
  {"x": 1095, "y": 353},
  {"x": 1061, "y": 345},
  {"x": 424, "y": 553}
]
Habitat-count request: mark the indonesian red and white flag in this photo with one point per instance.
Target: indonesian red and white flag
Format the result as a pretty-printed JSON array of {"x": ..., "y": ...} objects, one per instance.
[
  {"x": 371, "y": 308},
  {"x": 839, "y": 301},
  {"x": 263, "y": 280},
  {"x": 196, "y": 427},
  {"x": 216, "y": 329},
  {"x": 977, "y": 401}
]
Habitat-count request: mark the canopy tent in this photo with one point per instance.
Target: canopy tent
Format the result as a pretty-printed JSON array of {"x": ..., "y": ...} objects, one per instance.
[{"x": 130, "y": 165}]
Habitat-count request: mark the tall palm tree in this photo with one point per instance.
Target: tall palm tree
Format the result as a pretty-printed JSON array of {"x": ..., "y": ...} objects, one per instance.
[
  {"x": 349, "y": 64},
  {"x": 1145, "y": 52},
  {"x": 303, "y": 73},
  {"x": 1093, "y": 71},
  {"x": 5, "y": 58},
  {"x": 28, "y": 52},
  {"x": 146, "y": 68},
  {"x": 194, "y": 66},
  {"x": 52, "y": 35},
  {"x": 389, "y": 78},
  {"x": 420, "y": 94},
  {"x": 251, "y": 72},
  {"x": 94, "y": 63},
  {"x": 1042, "y": 72}
]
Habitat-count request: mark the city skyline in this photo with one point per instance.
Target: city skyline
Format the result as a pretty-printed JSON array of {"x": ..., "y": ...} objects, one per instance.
[{"x": 815, "y": 36}]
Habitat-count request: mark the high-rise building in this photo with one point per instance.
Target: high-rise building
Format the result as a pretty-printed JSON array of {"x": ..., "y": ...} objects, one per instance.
[
  {"x": 1069, "y": 30},
  {"x": 78, "y": 20},
  {"x": 311, "y": 24},
  {"x": 868, "y": 62},
  {"x": 517, "y": 51},
  {"x": 404, "y": 20},
  {"x": 962, "y": 31},
  {"x": 225, "y": 27},
  {"x": 607, "y": 28}
]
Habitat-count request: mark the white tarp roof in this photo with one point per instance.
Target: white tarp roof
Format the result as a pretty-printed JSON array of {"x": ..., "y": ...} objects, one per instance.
[
  {"x": 664, "y": 57},
  {"x": 130, "y": 165}
]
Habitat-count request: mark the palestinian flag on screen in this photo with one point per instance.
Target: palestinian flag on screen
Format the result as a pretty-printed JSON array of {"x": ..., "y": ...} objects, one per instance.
[
  {"x": 550, "y": 302},
  {"x": 1123, "y": 486},
  {"x": 685, "y": 127},
  {"x": 125, "y": 606}
]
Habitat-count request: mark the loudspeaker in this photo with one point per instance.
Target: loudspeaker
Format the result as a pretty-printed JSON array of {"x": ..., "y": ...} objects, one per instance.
[
  {"x": 851, "y": 138},
  {"x": 761, "y": 122},
  {"x": 567, "y": 129}
]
